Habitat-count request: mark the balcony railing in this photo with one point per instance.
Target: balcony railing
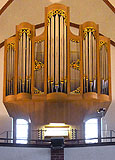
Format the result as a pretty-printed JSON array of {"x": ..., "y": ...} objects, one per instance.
[{"x": 73, "y": 138}]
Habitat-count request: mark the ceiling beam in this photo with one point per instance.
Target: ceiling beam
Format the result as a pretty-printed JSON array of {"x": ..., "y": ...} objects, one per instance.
[
  {"x": 5, "y": 6},
  {"x": 109, "y": 5}
]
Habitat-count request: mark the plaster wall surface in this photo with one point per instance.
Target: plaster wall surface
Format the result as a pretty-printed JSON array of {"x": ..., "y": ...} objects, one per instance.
[
  {"x": 90, "y": 153},
  {"x": 33, "y": 11},
  {"x": 20, "y": 153}
]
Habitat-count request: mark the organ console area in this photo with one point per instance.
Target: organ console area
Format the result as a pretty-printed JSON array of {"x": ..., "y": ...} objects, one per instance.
[{"x": 57, "y": 77}]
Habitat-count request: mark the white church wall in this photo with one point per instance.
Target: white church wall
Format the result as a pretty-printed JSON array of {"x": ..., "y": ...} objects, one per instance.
[
  {"x": 22, "y": 153},
  {"x": 90, "y": 153}
]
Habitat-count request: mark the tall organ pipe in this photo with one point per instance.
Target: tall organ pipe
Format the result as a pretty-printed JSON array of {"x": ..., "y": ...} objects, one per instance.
[
  {"x": 94, "y": 64},
  {"x": 106, "y": 72},
  {"x": 84, "y": 64},
  {"x": 52, "y": 54},
  {"x": 30, "y": 63},
  {"x": 61, "y": 53},
  {"x": 7, "y": 88},
  {"x": 65, "y": 59},
  {"x": 23, "y": 80},
  {"x": 49, "y": 59},
  {"x": 87, "y": 61},
  {"x": 27, "y": 64},
  {"x": 56, "y": 52},
  {"x": 90, "y": 61}
]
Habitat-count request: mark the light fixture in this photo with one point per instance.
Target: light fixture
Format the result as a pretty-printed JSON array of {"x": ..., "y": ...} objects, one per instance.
[{"x": 101, "y": 110}]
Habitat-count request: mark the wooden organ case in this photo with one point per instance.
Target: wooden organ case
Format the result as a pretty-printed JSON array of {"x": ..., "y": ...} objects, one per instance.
[{"x": 57, "y": 77}]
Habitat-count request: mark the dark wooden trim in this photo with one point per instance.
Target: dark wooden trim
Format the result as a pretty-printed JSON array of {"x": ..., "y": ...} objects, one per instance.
[
  {"x": 39, "y": 25},
  {"x": 89, "y": 145},
  {"x": 109, "y": 5},
  {"x": 25, "y": 145},
  {"x": 74, "y": 25},
  {"x": 71, "y": 24},
  {"x": 2, "y": 44},
  {"x": 5, "y": 6}
]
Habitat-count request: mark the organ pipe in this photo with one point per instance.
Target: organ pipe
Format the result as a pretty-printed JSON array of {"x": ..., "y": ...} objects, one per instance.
[
  {"x": 10, "y": 53},
  {"x": 56, "y": 48},
  {"x": 61, "y": 53},
  {"x": 57, "y": 52},
  {"x": 104, "y": 66},
  {"x": 65, "y": 57},
  {"x": 87, "y": 66},
  {"x": 52, "y": 54},
  {"x": 49, "y": 58},
  {"x": 30, "y": 64}
]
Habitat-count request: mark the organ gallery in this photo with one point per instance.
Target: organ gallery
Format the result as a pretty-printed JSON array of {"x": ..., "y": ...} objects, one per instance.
[{"x": 58, "y": 76}]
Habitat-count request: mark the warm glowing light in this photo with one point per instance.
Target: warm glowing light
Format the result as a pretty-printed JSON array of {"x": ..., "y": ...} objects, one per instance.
[
  {"x": 56, "y": 129},
  {"x": 56, "y": 132},
  {"x": 57, "y": 124},
  {"x": 91, "y": 130},
  {"x": 21, "y": 131}
]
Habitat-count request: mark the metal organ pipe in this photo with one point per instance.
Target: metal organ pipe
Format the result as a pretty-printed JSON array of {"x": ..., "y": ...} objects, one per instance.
[
  {"x": 61, "y": 53},
  {"x": 94, "y": 63},
  {"x": 57, "y": 40},
  {"x": 90, "y": 61},
  {"x": 84, "y": 65},
  {"x": 87, "y": 63},
  {"x": 49, "y": 59},
  {"x": 52, "y": 54},
  {"x": 106, "y": 72},
  {"x": 30, "y": 64},
  {"x": 65, "y": 56},
  {"x": 27, "y": 64},
  {"x": 56, "y": 52}
]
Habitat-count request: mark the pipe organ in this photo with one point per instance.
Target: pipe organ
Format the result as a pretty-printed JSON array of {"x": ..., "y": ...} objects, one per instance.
[
  {"x": 89, "y": 59},
  {"x": 57, "y": 42},
  {"x": 57, "y": 77},
  {"x": 10, "y": 59}
]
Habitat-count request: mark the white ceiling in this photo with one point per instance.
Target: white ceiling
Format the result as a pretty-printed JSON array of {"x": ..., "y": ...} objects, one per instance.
[
  {"x": 3, "y": 2},
  {"x": 112, "y": 2}
]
